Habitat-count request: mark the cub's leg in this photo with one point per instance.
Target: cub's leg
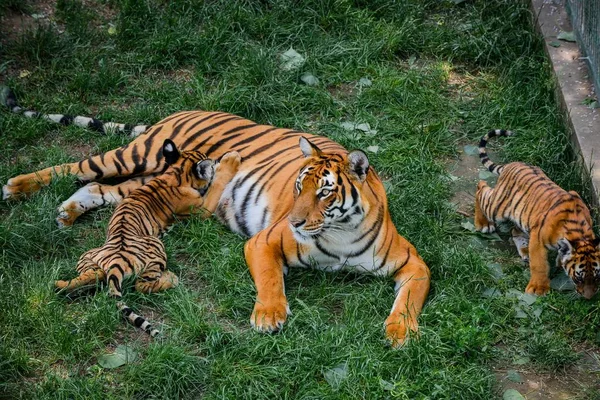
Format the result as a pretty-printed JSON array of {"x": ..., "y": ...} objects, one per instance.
[
  {"x": 538, "y": 264},
  {"x": 482, "y": 197},
  {"x": 265, "y": 261},
  {"x": 412, "y": 286},
  {"x": 95, "y": 195},
  {"x": 156, "y": 279},
  {"x": 521, "y": 241},
  {"x": 224, "y": 173},
  {"x": 89, "y": 272}
]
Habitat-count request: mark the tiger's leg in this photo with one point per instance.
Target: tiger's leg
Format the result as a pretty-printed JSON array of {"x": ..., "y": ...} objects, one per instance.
[
  {"x": 95, "y": 195},
  {"x": 89, "y": 272},
  {"x": 265, "y": 261},
  {"x": 539, "y": 283},
  {"x": 521, "y": 241},
  {"x": 482, "y": 223},
  {"x": 412, "y": 287},
  {"x": 156, "y": 279},
  {"x": 107, "y": 165}
]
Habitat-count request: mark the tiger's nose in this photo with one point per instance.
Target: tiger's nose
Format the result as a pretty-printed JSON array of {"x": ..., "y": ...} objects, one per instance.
[{"x": 297, "y": 223}]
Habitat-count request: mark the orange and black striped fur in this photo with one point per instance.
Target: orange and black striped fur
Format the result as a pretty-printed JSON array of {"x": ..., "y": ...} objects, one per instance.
[
  {"x": 132, "y": 245},
  {"x": 303, "y": 200},
  {"x": 545, "y": 217}
]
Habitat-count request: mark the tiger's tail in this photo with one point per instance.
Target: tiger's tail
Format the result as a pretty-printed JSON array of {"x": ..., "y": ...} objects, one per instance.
[
  {"x": 137, "y": 320},
  {"x": 483, "y": 156},
  {"x": 8, "y": 99}
]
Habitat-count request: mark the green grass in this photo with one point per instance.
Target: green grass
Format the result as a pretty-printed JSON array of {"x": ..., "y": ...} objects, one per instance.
[{"x": 442, "y": 74}]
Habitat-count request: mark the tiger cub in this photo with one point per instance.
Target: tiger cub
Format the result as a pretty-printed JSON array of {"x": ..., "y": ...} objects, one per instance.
[
  {"x": 132, "y": 245},
  {"x": 545, "y": 217}
]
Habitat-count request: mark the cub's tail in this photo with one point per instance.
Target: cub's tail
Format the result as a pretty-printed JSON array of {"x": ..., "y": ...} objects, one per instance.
[
  {"x": 8, "y": 99},
  {"x": 137, "y": 320},
  {"x": 485, "y": 160}
]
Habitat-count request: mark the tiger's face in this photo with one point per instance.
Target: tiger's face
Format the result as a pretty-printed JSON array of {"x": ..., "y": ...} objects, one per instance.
[
  {"x": 327, "y": 192},
  {"x": 581, "y": 261},
  {"x": 188, "y": 168}
]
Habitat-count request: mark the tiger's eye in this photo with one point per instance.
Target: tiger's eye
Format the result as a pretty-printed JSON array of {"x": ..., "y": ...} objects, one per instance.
[{"x": 325, "y": 192}]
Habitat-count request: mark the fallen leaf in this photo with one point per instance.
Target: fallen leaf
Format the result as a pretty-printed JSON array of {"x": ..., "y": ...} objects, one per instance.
[
  {"x": 512, "y": 394},
  {"x": 491, "y": 293},
  {"x": 468, "y": 225},
  {"x": 336, "y": 375},
  {"x": 349, "y": 126},
  {"x": 485, "y": 174},
  {"x": 364, "y": 82},
  {"x": 24, "y": 73},
  {"x": 373, "y": 149},
  {"x": 521, "y": 360},
  {"x": 496, "y": 270},
  {"x": 514, "y": 376},
  {"x": 112, "y": 30},
  {"x": 309, "y": 79},
  {"x": 471, "y": 150},
  {"x": 562, "y": 283},
  {"x": 291, "y": 59},
  {"x": 123, "y": 354},
  {"x": 567, "y": 36}
]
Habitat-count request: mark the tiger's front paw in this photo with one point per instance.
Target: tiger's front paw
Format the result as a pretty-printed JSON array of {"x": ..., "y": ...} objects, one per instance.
[
  {"x": 230, "y": 163},
  {"x": 397, "y": 332},
  {"x": 269, "y": 317},
  {"x": 539, "y": 288}
]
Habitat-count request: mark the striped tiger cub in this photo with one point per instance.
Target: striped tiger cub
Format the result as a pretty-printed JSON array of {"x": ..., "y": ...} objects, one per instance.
[
  {"x": 545, "y": 217},
  {"x": 132, "y": 245}
]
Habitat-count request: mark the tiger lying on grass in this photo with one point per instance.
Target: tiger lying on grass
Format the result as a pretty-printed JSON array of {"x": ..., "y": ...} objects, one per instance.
[
  {"x": 308, "y": 205},
  {"x": 132, "y": 245},
  {"x": 545, "y": 217}
]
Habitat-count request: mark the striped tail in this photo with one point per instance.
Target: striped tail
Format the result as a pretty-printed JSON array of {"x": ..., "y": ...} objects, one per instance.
[
  {"x": 8, "y": 99},
  {"x": 485, "y": 160},
  {"x": 136, "y": 319}
]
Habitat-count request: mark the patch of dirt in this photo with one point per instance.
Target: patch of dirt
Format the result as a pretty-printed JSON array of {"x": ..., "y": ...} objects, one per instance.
[
  {"x": 573, "y": 383},
  {"x": 342, "y": 91}
]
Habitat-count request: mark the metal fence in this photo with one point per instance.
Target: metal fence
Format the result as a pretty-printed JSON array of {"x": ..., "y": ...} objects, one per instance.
[{"x": 585, "y": 15}]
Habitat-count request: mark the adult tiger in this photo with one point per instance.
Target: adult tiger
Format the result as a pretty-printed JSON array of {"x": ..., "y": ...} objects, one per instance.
[
  {"x": 314, "y": 205},
  {"x": 132, "y": 245},
  {"x": 545, "y": 216}
]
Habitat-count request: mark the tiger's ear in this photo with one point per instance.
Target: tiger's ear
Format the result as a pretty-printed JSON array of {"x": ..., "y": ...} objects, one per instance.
[
  {"x": 170, "y": 152},
  {"x": 309, "y": 149},
  {"x": 564, "y": 247},
  {"x": 204, "y": 170},
  {"x": 359, "y": 164}
]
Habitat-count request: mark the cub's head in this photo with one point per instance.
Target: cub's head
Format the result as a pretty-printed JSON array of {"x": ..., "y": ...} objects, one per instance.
[
  {"x": 581, "y": 261},
  {"x": 188, "y": 168},
  {"x": 328, "y": 192}
]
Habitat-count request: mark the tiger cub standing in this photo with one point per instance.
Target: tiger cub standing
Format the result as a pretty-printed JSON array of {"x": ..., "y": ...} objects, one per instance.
[
  {"x": 132, "y": 245},
  {"x": 545, "y": 217}
]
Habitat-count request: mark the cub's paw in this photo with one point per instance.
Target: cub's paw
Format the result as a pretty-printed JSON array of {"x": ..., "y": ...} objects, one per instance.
[
  {"x": 269, "y": 318},
  {"x": 397, "y": 332},
  {"x": 488, "y": 227},
  {"x": 539, "y": 288},
  {"x": 230, "y": 162}
]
